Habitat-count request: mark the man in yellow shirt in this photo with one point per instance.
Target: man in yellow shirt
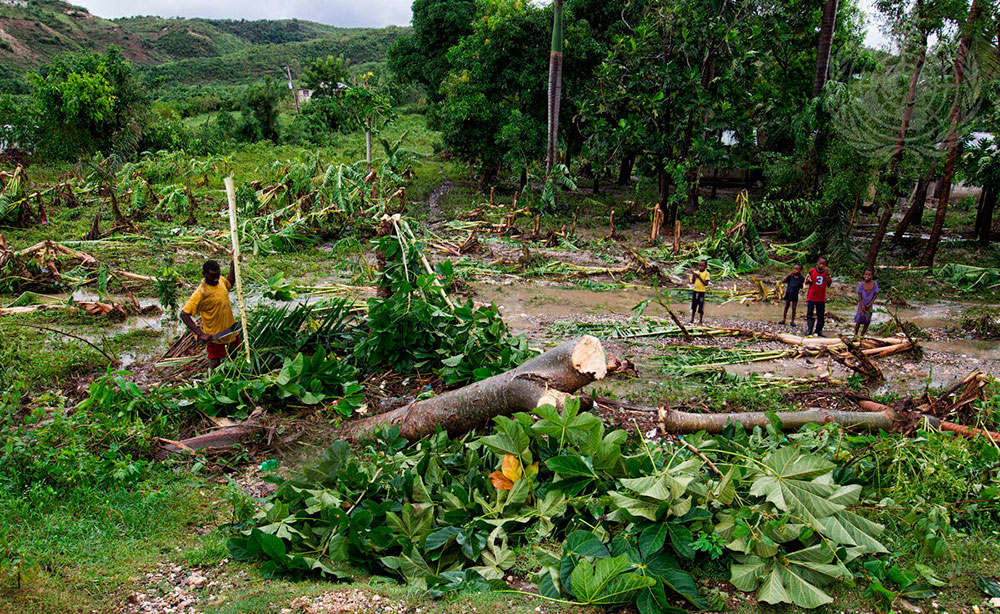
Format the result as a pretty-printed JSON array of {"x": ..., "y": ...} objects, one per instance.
[
  {"x": 211, "y": 300},
  {"x": 699, "y": 277}
]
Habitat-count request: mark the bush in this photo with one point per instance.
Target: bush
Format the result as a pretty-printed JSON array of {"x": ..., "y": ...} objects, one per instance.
[{"x": 415, "y": 330}]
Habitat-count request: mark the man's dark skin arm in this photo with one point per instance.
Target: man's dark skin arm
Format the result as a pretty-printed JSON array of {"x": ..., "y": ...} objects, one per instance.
[
  {"x": 193, "y": 326},
  {"x": 231, "y": 277}
]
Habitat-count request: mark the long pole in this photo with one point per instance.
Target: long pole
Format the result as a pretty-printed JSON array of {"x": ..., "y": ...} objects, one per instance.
[
  {"x": 295, "y": 94},
  {"x": 231, "y": 195}
]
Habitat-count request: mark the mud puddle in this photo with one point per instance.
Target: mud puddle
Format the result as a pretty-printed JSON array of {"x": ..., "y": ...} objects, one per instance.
[{"x": 531, "y": 308}]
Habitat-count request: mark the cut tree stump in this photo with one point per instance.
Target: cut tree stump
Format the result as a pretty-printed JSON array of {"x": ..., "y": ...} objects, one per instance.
[{"x": 546, "y": 379}]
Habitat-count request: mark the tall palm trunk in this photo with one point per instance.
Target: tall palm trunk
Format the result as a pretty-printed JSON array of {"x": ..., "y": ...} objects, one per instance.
[
  {"x": 952, "y": 139},
  {"x": 555, "y": 83},
  {"x": 915, "y": 214},
  {"x": 825, "y": 46},
  {"x": 984, "y": 215},
  {"x": 892, "y": 178}
]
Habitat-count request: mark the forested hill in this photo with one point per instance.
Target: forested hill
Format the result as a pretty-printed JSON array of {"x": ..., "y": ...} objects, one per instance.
[{"x": 178, "y": 50}]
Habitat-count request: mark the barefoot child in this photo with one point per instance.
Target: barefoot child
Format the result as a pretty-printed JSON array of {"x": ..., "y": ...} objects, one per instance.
[
  {"x": 699, "y": 278},
  {"x": 793, "y": 284},
  {"x": 867, "y": 293},
  {"x": 818, "y": 281}
]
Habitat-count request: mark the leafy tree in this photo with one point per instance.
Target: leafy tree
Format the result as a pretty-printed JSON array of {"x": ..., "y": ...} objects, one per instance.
[
  {"x": 259, "y": 111},
  {"x": 421, "y": 56},
  {"x": 682, "y": 72},
  {"x": 89, "y": 103},
  {"x": 368, "y": 107},
  {"x": 324, "y": 76},
  {"x": 493, "y": 114}
]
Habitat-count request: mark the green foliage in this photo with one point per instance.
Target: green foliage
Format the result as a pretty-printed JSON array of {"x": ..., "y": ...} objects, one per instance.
[
  {"x": 89, "y": 103},
  {"x": 983, "y": 322},
  {"x": 420, "y": 56},
  {"x": 417, "y": 329},
  {"x": 259, "y": 111},
  {"x": 324, "y": 76},
  {"x": 631, "y": 518},
  {"x": 308, "y": 380},
  {"x": 102, "y": 442}
]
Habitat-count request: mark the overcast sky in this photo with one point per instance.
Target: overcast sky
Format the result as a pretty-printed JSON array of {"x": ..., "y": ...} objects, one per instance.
[{"x": 346, "y": 13}]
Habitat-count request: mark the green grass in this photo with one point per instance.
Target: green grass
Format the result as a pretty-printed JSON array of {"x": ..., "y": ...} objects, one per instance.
[{"x": 80, "y": 548}]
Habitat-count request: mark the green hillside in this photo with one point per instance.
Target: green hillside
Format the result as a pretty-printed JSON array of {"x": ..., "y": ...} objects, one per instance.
[
  {"x": 183, "y": 51},
  {"x": 358, "y": 45}
]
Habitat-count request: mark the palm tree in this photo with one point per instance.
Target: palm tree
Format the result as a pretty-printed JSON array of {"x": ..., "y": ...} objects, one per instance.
[
  {"x": 825, "y": 46},
  {"x": 555, "y": 83},
  {"x": 951, "y": 141}
]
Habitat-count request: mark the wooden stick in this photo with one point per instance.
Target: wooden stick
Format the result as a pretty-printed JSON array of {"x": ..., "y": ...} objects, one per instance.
[
  {"x": 677, "y": 236},
  {"x": 231, "y": 194}
]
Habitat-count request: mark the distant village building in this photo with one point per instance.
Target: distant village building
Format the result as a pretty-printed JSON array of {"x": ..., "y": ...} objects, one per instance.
[
  {"x": 303, "y": 95},
  {"x": 20, "y": 3}
]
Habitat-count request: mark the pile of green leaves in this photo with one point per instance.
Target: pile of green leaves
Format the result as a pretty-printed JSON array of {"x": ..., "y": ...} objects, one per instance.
[
  {"x": 306, "y": 379},
  {"x": 417, "y": 329},
  {"x": 631, "y": 518}
]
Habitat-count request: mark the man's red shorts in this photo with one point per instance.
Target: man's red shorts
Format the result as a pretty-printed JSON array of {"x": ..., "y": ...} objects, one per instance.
[{"x": 218, "y": 350}]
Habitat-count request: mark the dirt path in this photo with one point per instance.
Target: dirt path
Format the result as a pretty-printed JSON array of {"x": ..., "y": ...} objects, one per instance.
[{"x": 435, "y": 215}]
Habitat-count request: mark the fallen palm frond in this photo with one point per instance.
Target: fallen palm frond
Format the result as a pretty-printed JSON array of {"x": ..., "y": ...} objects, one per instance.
[
  {"x": 968, "y": 277},
  {"x": 687, "y": 359},
  {"x": 633, "y": 329}
]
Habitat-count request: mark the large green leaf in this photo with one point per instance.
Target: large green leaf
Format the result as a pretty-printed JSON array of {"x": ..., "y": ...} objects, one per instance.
[
  {"x": 584, "y": 543},
  {"x": 848, "y": 528},
  {"x": 635, "y": 507},
  {"x": 607, "y": 581},
  {"x": 511, "y": 438},
  {"x": 794, "y": 484},
  {"x": 746, "y": 575},
  {"x": 571, "y": 465}
]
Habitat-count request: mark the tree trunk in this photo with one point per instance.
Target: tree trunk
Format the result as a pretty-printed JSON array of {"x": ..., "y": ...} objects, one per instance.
[
  {"x": 915, "y": 214},
  {"x": 546, "y": 379},
  {"x": 663, "y": 187},
  {"x": 625, "y": 168},
  {"x": 884, "y": 418},
  {"x": 673, "y": 421},
  {"x": 555, "y": 84},
  {"x": 952, "y": 139},
  {"x": 892, "y": 178},
  {"x": 368, "y": 146},
  {"x": 984, "y": 216},
  {"x": 825, "y": 46}
]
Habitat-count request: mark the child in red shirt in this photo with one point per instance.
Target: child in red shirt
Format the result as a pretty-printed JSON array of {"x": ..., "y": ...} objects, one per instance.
[{"x": 818, "y": 281}]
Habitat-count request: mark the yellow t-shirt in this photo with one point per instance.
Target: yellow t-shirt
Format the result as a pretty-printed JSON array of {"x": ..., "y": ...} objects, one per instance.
[
  {"x": 212, "y": 302},
  {"x": 699, "y": 286}
]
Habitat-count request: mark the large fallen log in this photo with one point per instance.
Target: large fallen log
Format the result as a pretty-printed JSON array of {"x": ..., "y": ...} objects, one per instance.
[{"x": 546, "y": 379}]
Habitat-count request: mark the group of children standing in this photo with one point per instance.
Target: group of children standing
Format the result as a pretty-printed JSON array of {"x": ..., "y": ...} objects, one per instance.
[{"x": 818, "y": 280}]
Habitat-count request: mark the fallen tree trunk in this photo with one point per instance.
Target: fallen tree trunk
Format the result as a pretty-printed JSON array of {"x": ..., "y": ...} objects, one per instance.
[
  {"x": 546, "y": 379},
  {"x": 887, "y": 419},
  {"x": 673, "y": 421},
  {"x": 221, "y": 438}
]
